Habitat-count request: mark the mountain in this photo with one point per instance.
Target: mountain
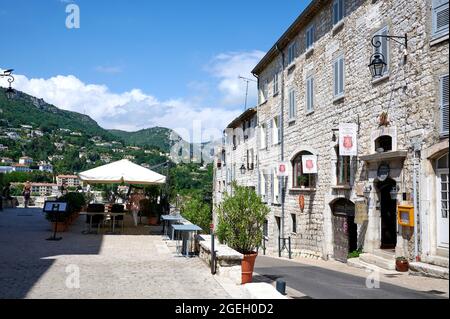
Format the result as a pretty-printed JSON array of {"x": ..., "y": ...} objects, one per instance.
[
  {"x": 160, "y": 137},
  {"x": 25, "y": 109}
]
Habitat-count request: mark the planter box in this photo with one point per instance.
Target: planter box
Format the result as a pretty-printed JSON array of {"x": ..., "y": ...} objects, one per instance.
[{"x": 229, "y": 261}]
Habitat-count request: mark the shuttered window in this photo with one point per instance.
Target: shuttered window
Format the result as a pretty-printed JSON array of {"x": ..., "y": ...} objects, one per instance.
[
  {"x": 276, "y": 130},
  {"x": 310, "y": 95},
  {"x": 440, "y": 18},
  {"x": 444, "y": 104},
  {"x": 292, "y": 105},
  {"x": 338, "y": 11},
  {"x": 263, "y": 136},
  {"x": 276, "y": 87},
  {"x": 338, "y": 70},
  {"x": 384, "y": 48},
  {"x": 292, "y": 53},
  {"x": 310, "y": 37}
]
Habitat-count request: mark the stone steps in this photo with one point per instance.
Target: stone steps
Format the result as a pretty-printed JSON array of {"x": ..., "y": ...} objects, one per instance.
[
  {"x": 428, "y": 270},
  {"x": 379, "y": 261},
  {"x": 358, "y": 263}
]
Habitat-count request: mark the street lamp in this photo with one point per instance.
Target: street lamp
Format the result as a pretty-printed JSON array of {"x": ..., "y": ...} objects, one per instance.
[
  {"x": 378, "y": 63},
  {"x": 243, "y": 169},
  {"x": 8, "y": 75}
]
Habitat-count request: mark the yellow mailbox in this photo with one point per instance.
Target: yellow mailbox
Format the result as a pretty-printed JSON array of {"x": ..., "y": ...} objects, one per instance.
[{"x": 406, "y": 215}]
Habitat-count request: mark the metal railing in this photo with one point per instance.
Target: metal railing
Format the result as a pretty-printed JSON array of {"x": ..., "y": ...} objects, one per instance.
[{"x": 284, "y": 244}]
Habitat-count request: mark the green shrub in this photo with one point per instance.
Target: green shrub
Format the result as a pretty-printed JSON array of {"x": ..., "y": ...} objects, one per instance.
[
  {"x": 355, "y": 254},
  {"x": 241, "y": 219},
  {"x": 75, "y": 201},
  {"x": 198, "y": 213}
]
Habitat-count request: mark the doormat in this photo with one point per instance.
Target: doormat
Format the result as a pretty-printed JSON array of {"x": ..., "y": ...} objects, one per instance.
[{"x": 25, "y": 215}]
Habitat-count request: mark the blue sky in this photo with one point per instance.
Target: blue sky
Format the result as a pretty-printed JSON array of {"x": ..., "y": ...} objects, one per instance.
[{"x": 141, "y": 57}]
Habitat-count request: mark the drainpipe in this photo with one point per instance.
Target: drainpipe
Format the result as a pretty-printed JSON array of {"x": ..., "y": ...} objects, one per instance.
[
  {"x": 416, "y": 213},
  {"x": 281, "y": 181},
  {"x": 257, "y": 132}
]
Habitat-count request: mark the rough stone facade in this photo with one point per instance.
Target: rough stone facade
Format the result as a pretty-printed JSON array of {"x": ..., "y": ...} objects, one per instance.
[
  {"x": 409, "y": 93},
  {"x": 238, "y": 149}
]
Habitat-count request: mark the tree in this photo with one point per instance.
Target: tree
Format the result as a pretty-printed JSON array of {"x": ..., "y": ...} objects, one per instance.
[
  {"x": 241, "y": 218},
  {"x": 197, "y": 212}
]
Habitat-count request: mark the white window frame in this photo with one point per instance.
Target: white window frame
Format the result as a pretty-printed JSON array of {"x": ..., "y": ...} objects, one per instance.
[
  {"x": 338, "y": 5},
  {"x": 439, "y": 7},
  {"x": 443, "y": 104},
  {"x": 264, "y": 91},
  {"x": 339, "y": 75},
  {"x": 276, "y": 188},
  {"x": 276, "y": 127},
  {"x": 309, "y": 94},
  {"x": 384, "y": 48},
  {"x": 310, "y": 36},
  {"x": 292, "y": 105}
]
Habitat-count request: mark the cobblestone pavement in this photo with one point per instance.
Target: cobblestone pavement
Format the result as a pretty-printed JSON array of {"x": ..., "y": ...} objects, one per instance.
[{"x": 110, "y": 266}]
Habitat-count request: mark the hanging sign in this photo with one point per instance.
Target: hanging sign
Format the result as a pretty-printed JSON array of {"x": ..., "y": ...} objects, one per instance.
[
  {"x": 301, "y": 202},
  {"x": 282, "y": 169},
  {"x": 348, "y": 139},
  {"x": 361, "y": 212},
  {"x": 309, "y": 164}
]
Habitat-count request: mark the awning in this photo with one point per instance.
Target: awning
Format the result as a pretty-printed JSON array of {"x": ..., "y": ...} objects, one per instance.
[{"x": 120, "y": 172}]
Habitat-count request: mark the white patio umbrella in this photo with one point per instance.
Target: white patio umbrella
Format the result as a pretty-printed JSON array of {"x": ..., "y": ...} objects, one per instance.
[{"x": 120, "y": 172}]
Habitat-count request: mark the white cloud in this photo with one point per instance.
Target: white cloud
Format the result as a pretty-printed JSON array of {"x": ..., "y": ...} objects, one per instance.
[
  {"x": 227, "y": 67},
  {"x": 131, "y": 111},
  {"x": 135, "y": 109}
]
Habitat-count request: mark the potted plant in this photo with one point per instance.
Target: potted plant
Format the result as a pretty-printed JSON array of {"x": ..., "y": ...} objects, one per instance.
[
  {"x": 302, "y": 180},
  {"x": 402, "y": 264},
  {"x": 149, "y": 210},
  {"x": 241, "y": 218}
]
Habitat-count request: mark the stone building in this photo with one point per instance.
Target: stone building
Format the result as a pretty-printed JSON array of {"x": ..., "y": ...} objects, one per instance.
[
  {"x": 235, "y": 158},
  {"x": 314, "y": 81}
]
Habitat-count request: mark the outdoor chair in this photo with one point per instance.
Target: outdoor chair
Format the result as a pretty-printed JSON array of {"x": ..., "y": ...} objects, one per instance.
[
  {"x": 97, "y": 220},
  {"x": 117, "y": 208}
]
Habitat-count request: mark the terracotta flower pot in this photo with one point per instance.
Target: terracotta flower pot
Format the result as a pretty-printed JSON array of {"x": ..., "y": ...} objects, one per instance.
[
  {"x": 153, "y": 220},
  {"x": 402, "y": 265},
  {"x": 248, "y": 265}
]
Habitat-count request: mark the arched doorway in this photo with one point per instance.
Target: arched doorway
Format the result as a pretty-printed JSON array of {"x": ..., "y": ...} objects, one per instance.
[
  {"x": 345, "y": 231},
  {"x": 388, "y": 210}
]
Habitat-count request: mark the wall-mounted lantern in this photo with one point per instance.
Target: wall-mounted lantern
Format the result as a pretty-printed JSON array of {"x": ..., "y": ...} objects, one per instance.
[
  {"x": 8, "y": 74},
  {"x": 243, "y": 169},
  {"x": 367, "y": 191},
  {"x": 378, "y": 63}
]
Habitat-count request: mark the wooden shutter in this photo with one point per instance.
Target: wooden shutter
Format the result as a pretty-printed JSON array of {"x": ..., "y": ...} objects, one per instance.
[
  {"x": 310, "y": 94},
  {"x": 341, "y": 75},
  {"x": 444, "y": 91},
  {"x": 335, "y": 11},
  {"x": 440, "y": 17},
  {"x": 336, "y": 77}
]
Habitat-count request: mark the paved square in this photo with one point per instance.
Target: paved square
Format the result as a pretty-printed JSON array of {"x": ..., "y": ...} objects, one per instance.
[{"x": 110, "y": 266}]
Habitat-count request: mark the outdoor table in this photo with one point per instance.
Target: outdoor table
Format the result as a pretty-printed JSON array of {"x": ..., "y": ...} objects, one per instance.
[
  {"x": 113, "y": 215},
  {"x": 167, "y": 220},
  {"x": 184, "y": 229}
]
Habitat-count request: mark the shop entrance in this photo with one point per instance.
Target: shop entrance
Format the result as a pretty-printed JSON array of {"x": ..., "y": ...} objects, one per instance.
[
  {"x": 388, "y": 208},
  {"x": 345, "y": 231}
]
